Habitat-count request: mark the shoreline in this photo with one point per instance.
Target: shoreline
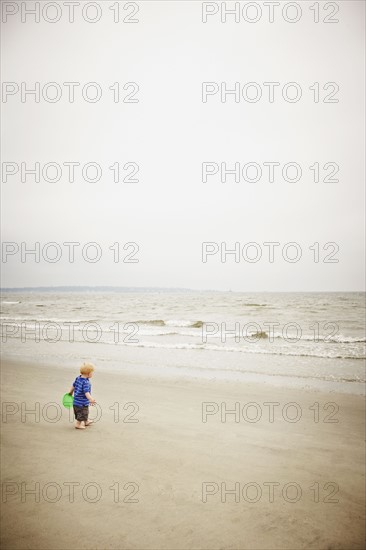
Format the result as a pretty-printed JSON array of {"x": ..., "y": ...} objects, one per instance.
[{"x": 270, "y": 370}]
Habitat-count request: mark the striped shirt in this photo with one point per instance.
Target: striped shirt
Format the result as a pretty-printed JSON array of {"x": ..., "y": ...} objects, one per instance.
[{"x": 81, "y": 387}]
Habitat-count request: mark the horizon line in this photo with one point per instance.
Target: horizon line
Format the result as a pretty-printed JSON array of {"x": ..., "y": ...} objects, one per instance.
[{"x": 152, "y": 288}]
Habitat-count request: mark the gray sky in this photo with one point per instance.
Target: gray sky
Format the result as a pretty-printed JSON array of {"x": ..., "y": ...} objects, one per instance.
[{"x": 170, "y": 132}]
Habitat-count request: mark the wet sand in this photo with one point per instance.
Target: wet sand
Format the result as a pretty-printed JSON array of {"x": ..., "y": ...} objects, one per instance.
[{"x": 161, "y": 482}]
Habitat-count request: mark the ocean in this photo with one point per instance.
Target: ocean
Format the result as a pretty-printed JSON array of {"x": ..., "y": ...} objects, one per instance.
[{"x": 308, "y": 339}]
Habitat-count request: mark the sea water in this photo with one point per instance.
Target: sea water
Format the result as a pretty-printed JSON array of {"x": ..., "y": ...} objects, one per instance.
[{"x": 307, "y": 339}]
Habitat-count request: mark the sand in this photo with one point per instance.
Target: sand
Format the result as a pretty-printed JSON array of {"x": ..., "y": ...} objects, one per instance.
[{"x": 160, "y": 463}]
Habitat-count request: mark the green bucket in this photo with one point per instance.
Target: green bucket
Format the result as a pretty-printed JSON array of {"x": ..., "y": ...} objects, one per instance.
[{"x": 67, "y": 400}]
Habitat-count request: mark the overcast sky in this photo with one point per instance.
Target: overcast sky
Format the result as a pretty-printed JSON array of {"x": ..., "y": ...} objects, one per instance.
[{"x": 170, "y": 132}]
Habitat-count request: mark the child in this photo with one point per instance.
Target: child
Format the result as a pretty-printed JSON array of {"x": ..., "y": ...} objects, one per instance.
[{"x": 81, "y": 389}]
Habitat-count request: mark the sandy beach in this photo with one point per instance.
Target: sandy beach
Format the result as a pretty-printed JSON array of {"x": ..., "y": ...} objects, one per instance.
[
  {"x": 155, "y": 469},
  {"x": 183, "y": 207}
]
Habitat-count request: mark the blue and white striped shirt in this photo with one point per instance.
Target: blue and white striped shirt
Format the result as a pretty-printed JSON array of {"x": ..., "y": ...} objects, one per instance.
[{"x": 81, "y": 387}]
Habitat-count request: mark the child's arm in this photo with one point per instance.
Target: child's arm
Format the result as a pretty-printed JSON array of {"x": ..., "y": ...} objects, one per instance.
[
  {"x": 90, "y": 399},
  {"x": 71, "y": 390}
]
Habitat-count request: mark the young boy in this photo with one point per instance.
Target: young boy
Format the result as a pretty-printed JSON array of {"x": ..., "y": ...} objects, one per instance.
[{"x": 81, "y": 389}]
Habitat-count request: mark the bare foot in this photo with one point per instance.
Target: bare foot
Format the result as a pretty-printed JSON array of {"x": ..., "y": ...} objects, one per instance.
[
  {"x": 88, "y": 422},
  {"x": 80, "y": 425}
]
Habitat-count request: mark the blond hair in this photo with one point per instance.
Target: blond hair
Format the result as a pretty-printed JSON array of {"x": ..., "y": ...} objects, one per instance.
[{"x": 86, "y": 368}]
